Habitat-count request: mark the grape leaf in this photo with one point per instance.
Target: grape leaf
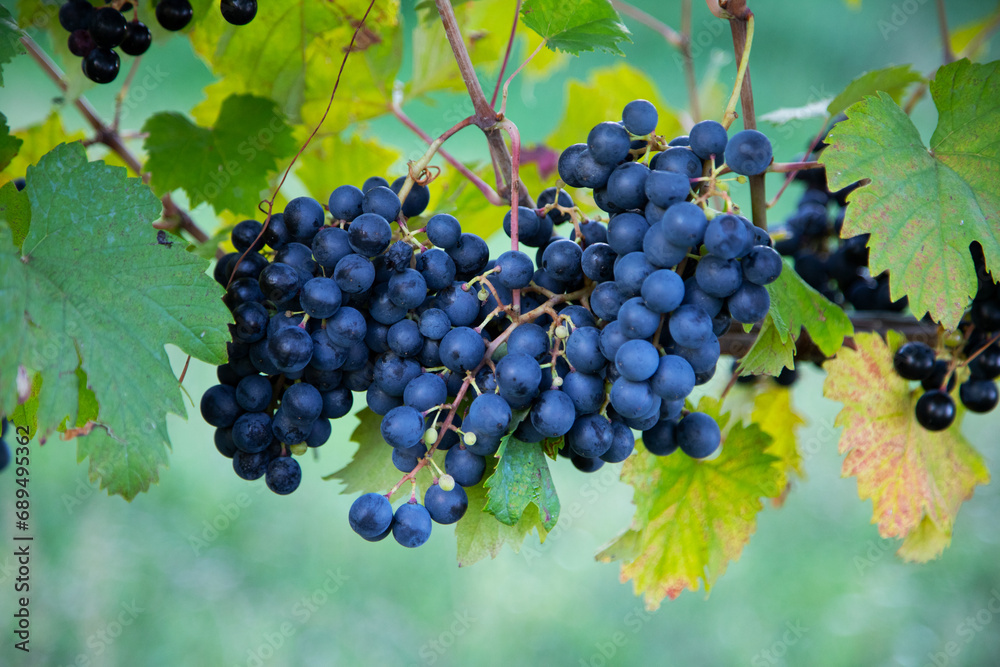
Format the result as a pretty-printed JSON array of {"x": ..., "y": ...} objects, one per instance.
[
  {"x": 576, "y": 26},
  {"x": 36, "y": 141},
  {"x": 602, "y": 97},
  {"x": 331, "y": 162},
  {"x": 371, "y": 468},
  {"x": 10, "y": 41},
  {"x": 16, "y": 210},
  {"x": 9, "y": 145},
  {"x": 794, "y": 306},
  {"x": 892, "y": 80},
  {"x": 693, "y": 517},
  {"x": 521, "y": 478},
  {"x": 924, "y": 207},
  {"x": 909, "y": 473},
  {"x": 961, "y": 37},
  {"x": 291, "y": 53},
  {"x": 479, "y": 534},
  {"x": 92, "y": 289},
  {"x": 774, "y": 414},
  {"x": 226, "y": 165}
]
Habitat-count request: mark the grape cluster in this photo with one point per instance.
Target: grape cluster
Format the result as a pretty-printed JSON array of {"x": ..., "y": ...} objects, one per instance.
[
  {"x": 5, "y": 456},
  {"x": 95, "y": 33},
  {"x": 608, "y": 330},
  {"x": 978, "y": 349},
  {"x": 835, "y": 267}
]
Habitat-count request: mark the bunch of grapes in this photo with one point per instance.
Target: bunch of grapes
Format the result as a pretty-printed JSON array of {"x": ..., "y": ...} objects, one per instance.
[
  {"x": 609, "y": 329},
  {"x": 95, "y": 33},
  {"x": 5, "y": 456},
  {"x": 976, "y": 348}
]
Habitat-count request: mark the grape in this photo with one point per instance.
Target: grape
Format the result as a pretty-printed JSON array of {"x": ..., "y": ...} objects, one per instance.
[
  {"x": 370, "y": 516},
  {"x": 986, "y": 366},
  {"x": 470, "y": 255},
  {"x": 586, "y": 465},
  {"x": 695, "y": 296},
  {"x": 636, "y": 320},
  {"x": 101, "y": 65},
  {"x": 627, "y": 185},
  {"x": 173, "y": 15},
  {"x": 138, "y": 38},
  {"x": 219, "y": 406},
  {"x": 251, "y": 466},
  {"x": 528, "y": 223},
  {"x": 250, "y": 322},
  {"x": 380, "y": 402},
  {"x": 979, "y": 395},
  {"x": 725, "y": 236},
  {"x": 321, "y": 298},
  {"x": 626, "y": 232},
  {"x": 373, "y": 182},
  {"x": 935, "y": 410},
  {"x": 583, "y": 350},
  {"x": 637, "y": 360},
  {"x": 279, "y": 282},
  {"x": 80, "y": 43},
  {"x": 298, "y": 256},
  {"x": 553, "y": 413},
  {"x": 914, "y": 361},
  {"x": 320, "y": 433},
  {"x": 462, "y": 349},
  {"x": 762, "y": 265},
  {"x": 702, "y": 358},
  {"x": 290, "y": 349},
  {"x": 690, "y": 326},
  {"x": 244, "y": 236},
  {"x": 407, "y": 289},
  {"x": 640, "y": 117},
  {"x": 337, "y": 403},
  {"x": 589, "y": 172},
  {"x": 678, "y": 160},
  {"x": 548, "y": 196},
  {"x": 490, "y": 414},
  {"x": 597, "y": 262},
  {"x": 586, "y": 391},
  {"x": 708, "y": 138},
  {"x": 464, "y": 466},
  {"x": 748, "y": 153},
  {"x": 345, "y": 203},
  {"x": 346, "y": 328},
  {"x": 444, "y": 506},
  {"x": 611, "y": 340},
  {"x": 370, "y": 233},
  {"x": 253, "y": 393},
  {"x": 685, "y": 225},
  {"x": 622, "y": 443},
  {"x": 302, "y": 402},
  {"x": 434, "y": 323},
  {"x": 402, "y": 427},
  {"x": 593, "y": 231},
  {"x": 411, "y": 525},
  {"x": 518, "y": 376},
  {"x": 437, "y": 268},
  {"x": 569, "y": 161},
  {"x": 718, "y": 277},
  {"x": 749, "y": 304},
  {"x": 276, "y": 234},
  {"x": 562, "y": 260},
  {"x": 630, "y": 273},
  {"x": 238, "y": 12},
  {"x": 251, "y": 432},
  {"x": 698, "y": 435},
  {"x": 303, "y": 218},
  {"x": 530, "y": 339},
  {"x": 392, "y": 373},
  {"x": 662, "y": 291},
  {"x": 942, "y": 371},
  {"x": 404, "y": 338},
  {"x": 661, "y": 439},
  {"x": 608, "y": 143},
  {"x": 631, "y": 399},
  {"x": 674, "y": 378},
  {"x": 75, "y": 15},
  {"x": 107, "y": 27},
  {"x": 591, "y": 436},
  {"x": 666, "y": 188},
  {"x": 461, "y": 307},
  {"x": 381, "y": 201},
  {"x": 425, "y": 392},
  {"x": 516, "y": 269},
  {"x": 403, "y": 461},
  {"x": 223, "y": 443},
  {"x": 578, "y": 315},
  {"x": 416, "y": 199},
  {"x": 659, "y": 249}
]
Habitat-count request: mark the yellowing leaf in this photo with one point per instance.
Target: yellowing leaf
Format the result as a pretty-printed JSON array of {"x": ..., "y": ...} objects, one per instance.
[
  {"x": 773, "y": 412},
  {"x": 909, "y": 473},
  {"x": 331, "y": 161},
  {"x": 693, "y": 517},
  {"x": 37, "y": 140},
  {"x": 479, "y": 534}
]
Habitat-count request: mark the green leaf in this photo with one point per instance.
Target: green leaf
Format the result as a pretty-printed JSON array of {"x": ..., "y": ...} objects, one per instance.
[
  {"x": 92, "y": 289},
  {"x": 9, "y": 145},
  {"x": 226, "y": 165},
  {"x": 521, "y": 478},
  {"x": 36, "y": 141},
  {"x": 693, "y": 517},
  {"x": 924, "y": 207},
  {"x": 291, "y": 53},
  {"x": 15, "y": 210},
  {"x": 10, "y": 42},
  {"x": 892, "y": 80},
  {"x": 912, "y": 475},
  {"x": 576, "y": 26},
  {"x": 479, "y": 534},
  {"x": 371, "y": 467},
  {"x": 795, "y": 306}
]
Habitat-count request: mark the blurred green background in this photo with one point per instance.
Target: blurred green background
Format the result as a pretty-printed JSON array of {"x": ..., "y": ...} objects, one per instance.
[{"x": 207, "y": 569}]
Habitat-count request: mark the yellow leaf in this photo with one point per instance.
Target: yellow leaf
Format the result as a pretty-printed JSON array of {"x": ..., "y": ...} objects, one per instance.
[
  {"x": 38, "y": 140},
  {"x": 917, "y": 479},
  {"x": 773, "y": 412},
  {"x": 331, "y": 161}
]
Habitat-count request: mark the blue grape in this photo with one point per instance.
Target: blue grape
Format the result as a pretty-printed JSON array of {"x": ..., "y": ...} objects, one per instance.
[
  {"x": 589, "y": 172},
  {"x": 718, "y": 277},
  {"x": 702, "y": 358},
  {"x": 370, "y": 233},
  {"x": 666, "y": 188},
  {"x": 404, "y": 461},
  {"x": 518, "y": 376},
  {"x": 392, "y": 373},
  {"x": 320, "y": 433},
  {"x": 444, "y": 230},
  {"x": 695, "y": 296},
  {"x": 690, "y": 326},
  {"x": 381, "y": 201},
  {"x": 244, "y": 236},
  {"x": 709, "y": 138},
  {"x": 491, "y": 413},
  {"x": 462, "y": 349},
  {"x": 749, "y": 304},
  {"x": 661, "y": 439},
  {"x": 569, "y": 160},
  {"x": 640, "y": 117},
  {"x": 370, "y": 516},
  {"x": 321, "y": 298},
  {"x": 598, "y": 262},
  {"x": 345, "y": 202},
  {"x": 553, "y": 413},
  {"x": 302, "y": 401},
  {"x": 290, "y": 349},
  {"x": 674, "y": 378},
  {"x": 434, "y": 323},
  {"x": 698, "y": 435},
  {"x": 659, "y": 249},
  {"x": 252, "y": 432},
  {"x": 528, "y": 223},
  {"x": 726, "y": 236},
  {"x": 404, "y": 338},
  {"x": 411, "y": 525},
  {"x": 380, "y": 402},
  {"x": 631, "y": 399},
  {"x": 464, "y": 466},
  {"x": 398, "y": 256},
  {"x": 586, "y": 465},
  {"x": 578, "y": 315},
  {"x": 679, "y": 160},
  {"x": 303, "y": 218},
  {"x": 583, "y": 350},
  {"x": 630, "y": 273},
  {"x": 608, "y": 143},
  {"x": 591, "y": 436},
  {"x": 299, "y": 257},
  {"x": 548, "y": 196},
  {"x": 407, "y": 289},
  {"x": 749, "y": 153},
  {"x": 425, "y": 392},
  {"x": 611, "y": 339},
  {"x": 636, "y": 320},
  {"x": 663, "y": 291},
  {"x": 381, "y": 307},
  {"x": 461, "y": 307},
  {"x": 330, "y": 245},
  {"x": 254, "y": 393},
  {"x": 626, "y": 232},
  {"x": 279, "y": 282},
  {"x": 402, "y": 427},
  {"x": 593, "y": 232},
  {"x": 223, "y": 442},
  {"x": 761, "y": 266},
  {"x": 627, "y": 185},
  {"x": 347, "y": 327},
  {"x": 516, "y": 269},
  {"x": 606, "y": 300},
  {"x": 586, "y": 391},
  {"x": 287, "y": 430},
  {"x": 251, "y": 466},
  {"x": 562, "y": 260},
  {"x": 622, "y": 443},
  {"x": 528, "y": 338},
  {"x": 416, "y": 200},
  {"x": 251, "y": 322},
  {"x": 470, "y": 255},
  {"x": 637, "y": 360},
  {"x": 283, "y": 475},
  {"x": 446, "y": 507},
  {"x": 685, "y": 225}
]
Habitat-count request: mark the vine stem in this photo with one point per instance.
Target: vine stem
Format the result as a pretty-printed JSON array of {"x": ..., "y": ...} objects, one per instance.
[
  {"x": 949, "y": 55},
  {"x": 515, "y": 150},
  {"x": 744, "y": 61},
  {"x": 111, "y": 138},
  {"x": 506, "y": 53},
  {"x": 428, "y": 155},
  {"x": 484, "y": 187},
  {"x": 506, "y": 84}
]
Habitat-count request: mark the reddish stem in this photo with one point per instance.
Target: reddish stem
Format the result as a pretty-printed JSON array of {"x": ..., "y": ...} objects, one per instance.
[{"x": 506, "y": 55}]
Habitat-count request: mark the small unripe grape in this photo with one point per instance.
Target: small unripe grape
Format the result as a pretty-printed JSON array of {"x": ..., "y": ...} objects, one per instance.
[
  {"x": 562, "y": 332},
  {"x": 299, "y": 448},
  {"x": 469, "y": 438},
  {"x": 446, "y": 482},
  {"x": 430, "y": 436}
]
